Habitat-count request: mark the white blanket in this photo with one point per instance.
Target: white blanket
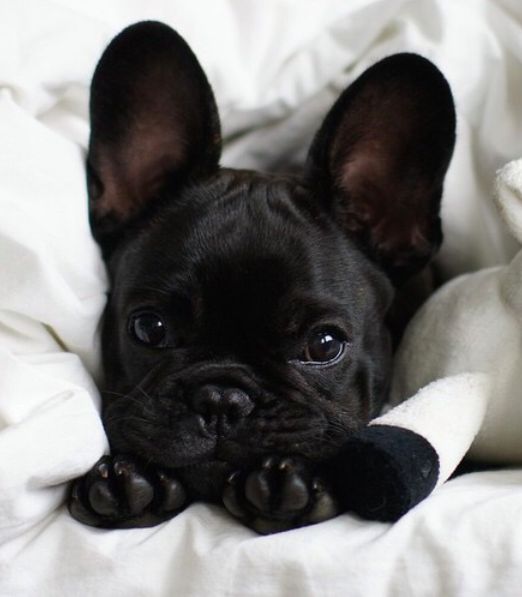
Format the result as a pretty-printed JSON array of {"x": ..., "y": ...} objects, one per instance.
[{"x": 275, "y": 66}]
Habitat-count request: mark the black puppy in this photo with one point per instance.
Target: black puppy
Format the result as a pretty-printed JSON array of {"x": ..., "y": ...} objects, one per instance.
[{"x": 245, "y": 339}]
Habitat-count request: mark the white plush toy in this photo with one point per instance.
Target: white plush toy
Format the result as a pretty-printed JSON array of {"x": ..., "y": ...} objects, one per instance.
[
  {"x": 467, "y": 340},
  {"x": 457, "y": 385}
]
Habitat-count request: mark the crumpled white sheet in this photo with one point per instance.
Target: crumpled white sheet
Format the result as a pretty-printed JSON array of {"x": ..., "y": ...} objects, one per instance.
[{"x": 275, "y": 66}]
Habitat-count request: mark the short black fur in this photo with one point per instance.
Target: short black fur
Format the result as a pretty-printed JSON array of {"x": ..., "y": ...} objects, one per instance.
[{"x": 239, "y": 273}]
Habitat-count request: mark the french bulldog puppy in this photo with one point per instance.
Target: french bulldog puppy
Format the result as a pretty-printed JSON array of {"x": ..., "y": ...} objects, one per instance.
[{"x": 246, "y": 335}]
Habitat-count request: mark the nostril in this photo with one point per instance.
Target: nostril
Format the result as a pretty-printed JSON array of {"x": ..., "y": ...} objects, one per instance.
[
  {"x": 237, "y": 403},
  {"x": 206, "y": 400},
  {"x": 232, "y": 403}
]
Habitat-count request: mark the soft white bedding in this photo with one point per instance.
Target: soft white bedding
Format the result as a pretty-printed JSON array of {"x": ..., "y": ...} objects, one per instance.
[{"x": 275, "y": 67}]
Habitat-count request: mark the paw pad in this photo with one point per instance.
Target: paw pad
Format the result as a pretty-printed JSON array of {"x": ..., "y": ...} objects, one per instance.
[
  {"x": 118, "y": 493},
  {"x": 281, "y": 494}
]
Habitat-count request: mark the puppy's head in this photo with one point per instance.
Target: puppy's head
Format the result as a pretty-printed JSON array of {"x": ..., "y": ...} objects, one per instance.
[{"x": 247, "y": 311}]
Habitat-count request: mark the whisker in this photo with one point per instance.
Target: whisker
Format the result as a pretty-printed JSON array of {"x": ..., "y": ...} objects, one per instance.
[{"x": 112, "y": 393}]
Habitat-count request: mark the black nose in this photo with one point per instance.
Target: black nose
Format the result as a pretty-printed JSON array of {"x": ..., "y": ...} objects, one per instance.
[{"x": 210, "y": 400}]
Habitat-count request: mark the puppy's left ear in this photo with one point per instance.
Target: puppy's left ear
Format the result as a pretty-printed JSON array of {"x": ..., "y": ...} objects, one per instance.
[
  {"x": 154, "y": 126},
  {"x": 378, "y": 162}
]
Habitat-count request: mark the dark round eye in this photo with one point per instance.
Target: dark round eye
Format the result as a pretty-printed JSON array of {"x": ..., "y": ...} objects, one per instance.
[
  {"x": 323, "y": 346},
  {"x": 148, "y": 328}
]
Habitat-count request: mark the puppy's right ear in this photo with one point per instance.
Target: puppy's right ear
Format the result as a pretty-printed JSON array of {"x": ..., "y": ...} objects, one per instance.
[{"x": 154, "y": 127}]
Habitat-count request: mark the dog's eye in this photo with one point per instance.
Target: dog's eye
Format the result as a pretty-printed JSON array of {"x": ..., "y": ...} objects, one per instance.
[
  {"x": 323, "y": 346},
  {"x": 148, "y": 328}
]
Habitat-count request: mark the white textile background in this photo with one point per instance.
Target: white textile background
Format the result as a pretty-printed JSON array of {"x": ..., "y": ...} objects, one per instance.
[{"x": 275, "y": 66}]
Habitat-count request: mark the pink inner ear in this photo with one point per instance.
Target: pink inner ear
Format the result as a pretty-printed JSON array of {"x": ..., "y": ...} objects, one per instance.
[
  {"x": 383, "y": 199},
  {"x": 154, "y": 122},
  {"x": 137, "y": 171},
  {"x": 364, "y": 180}
]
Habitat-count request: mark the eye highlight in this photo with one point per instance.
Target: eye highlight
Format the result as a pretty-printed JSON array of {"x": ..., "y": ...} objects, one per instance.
[
  {"x": 324, "y": 346},
  {"x": 148, "y": 328}
]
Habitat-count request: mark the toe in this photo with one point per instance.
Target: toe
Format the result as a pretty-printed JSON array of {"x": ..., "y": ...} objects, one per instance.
[
  {"x": 102, "y": 499},
  {"x": 173, "y": 495},
  {"x": 258, "y": 490},
  {"x": 134, "y": 487},
  {"x": 294, "y": 492}
]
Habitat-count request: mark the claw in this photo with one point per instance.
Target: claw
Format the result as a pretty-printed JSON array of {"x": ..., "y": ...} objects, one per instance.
[
  {"x": 233, "y": 478},
  {"x": 317, "y": 486},
  {"x": 286, "y": 464},
  {"x": 102, "y": 469},
  {"x": 268, "y": 462}
]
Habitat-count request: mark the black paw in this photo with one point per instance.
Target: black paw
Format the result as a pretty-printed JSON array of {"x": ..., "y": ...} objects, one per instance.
[
  {"x": 119, "y": 493},
  {"x": 280, "y": 495}
]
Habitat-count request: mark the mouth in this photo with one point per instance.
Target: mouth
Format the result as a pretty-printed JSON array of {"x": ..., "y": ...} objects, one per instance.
[
  {"x": 224, "y": 442},
  {"x": 175, "y": 429},
  {"x": 193, "y": 441}
]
